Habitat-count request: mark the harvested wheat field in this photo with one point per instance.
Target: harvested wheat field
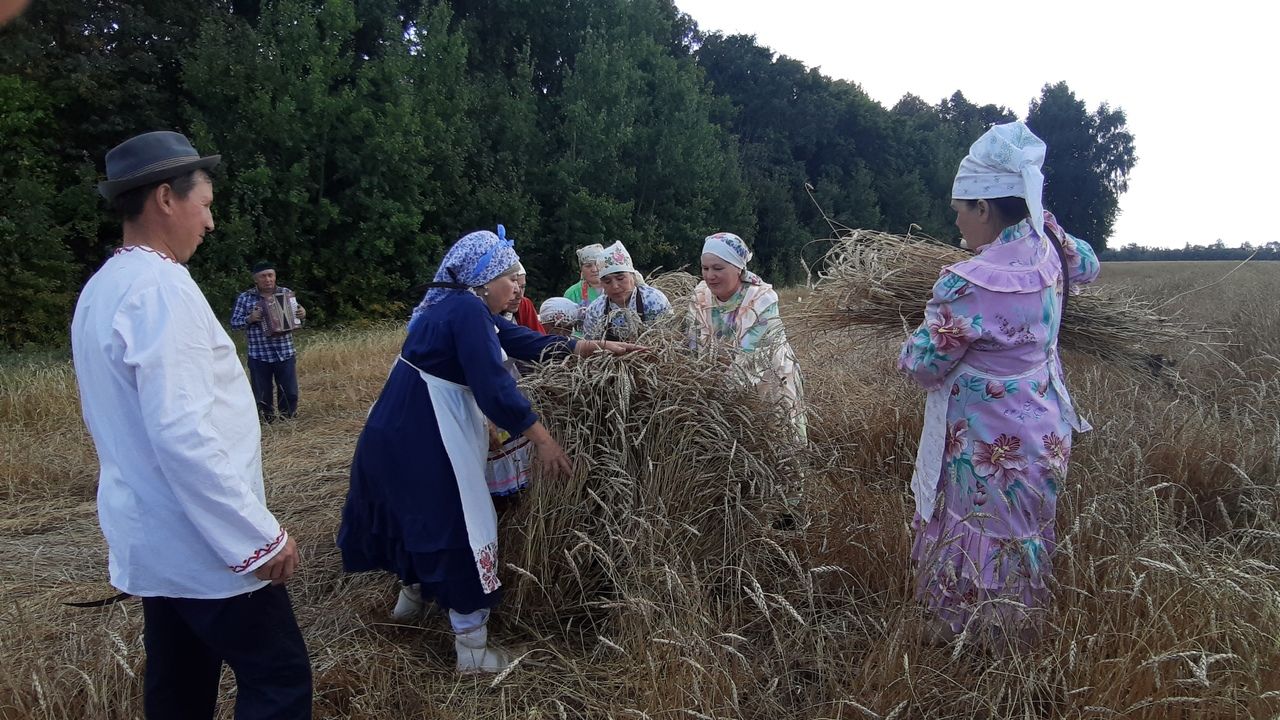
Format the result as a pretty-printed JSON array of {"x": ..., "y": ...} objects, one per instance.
[{"x": 674, "y": 576}]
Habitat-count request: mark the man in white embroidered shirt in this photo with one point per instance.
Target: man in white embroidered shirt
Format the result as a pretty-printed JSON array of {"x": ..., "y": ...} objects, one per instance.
[{"x": 180, "y": 494}]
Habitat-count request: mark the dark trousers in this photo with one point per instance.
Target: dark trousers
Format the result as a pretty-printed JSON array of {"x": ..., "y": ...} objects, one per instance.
[
  {"x": 272, "y": 379},
  {"x": 256, "y": 634}
]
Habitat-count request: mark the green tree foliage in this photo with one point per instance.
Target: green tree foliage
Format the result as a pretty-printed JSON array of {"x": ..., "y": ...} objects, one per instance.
[
  {"x": 1217, "y": 250},
  {"x": 642, "y": 161},
  {"x": 341, "y": 167},
  {"x": 360, "y": 137},
  {"x": 36, "y": 295},
  {"x": 105, "y": 70},
  {"x": 1087, "y": 167}
]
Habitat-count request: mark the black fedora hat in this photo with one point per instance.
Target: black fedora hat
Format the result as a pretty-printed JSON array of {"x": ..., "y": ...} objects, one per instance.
[{"x": 148, "y": 158}]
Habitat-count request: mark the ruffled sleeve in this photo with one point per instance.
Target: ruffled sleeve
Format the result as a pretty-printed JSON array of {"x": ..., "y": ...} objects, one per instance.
[
  {"x": 951, "y": 324},
  {"x": 1082, "y": 261}
]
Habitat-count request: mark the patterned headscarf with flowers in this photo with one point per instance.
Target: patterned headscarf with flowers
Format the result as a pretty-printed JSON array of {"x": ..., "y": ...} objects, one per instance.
[
  {"x": 733, "y": 250},
  {"x": 593, "y": 253},
  {"x": 617, "y": 259},
  {"x": 728, "y": 247},
  {"x": 474, "y": 260}
]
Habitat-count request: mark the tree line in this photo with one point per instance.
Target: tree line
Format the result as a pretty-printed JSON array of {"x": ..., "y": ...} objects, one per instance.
[
  {"x": 1215, "y": 251},
  {"x": 360, "y": 137}
]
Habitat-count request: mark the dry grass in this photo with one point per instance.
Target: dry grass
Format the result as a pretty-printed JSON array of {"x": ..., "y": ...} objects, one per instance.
[
  {"x": 655, "y": 583},
  {"x": 678, "y": 286},
  {"x": 873, "y": 281}
]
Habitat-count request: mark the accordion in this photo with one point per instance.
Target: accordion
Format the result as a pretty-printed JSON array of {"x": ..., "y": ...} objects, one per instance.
[{"x": 279, "y": 314}]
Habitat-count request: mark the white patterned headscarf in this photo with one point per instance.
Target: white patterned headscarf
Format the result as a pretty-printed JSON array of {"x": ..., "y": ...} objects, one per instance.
[
  {"x": 473, "y": 261},
  {"x": 558, "y": 311},
  {"x": 617, "y": 259},
  {"x": 728, "y": 247},
  {"x": 593, "y": 253},
  {"x": 1005, "y": 162}
]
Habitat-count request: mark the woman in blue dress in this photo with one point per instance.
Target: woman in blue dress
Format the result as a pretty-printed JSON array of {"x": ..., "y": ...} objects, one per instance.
[{"x": 418, "y": 505}]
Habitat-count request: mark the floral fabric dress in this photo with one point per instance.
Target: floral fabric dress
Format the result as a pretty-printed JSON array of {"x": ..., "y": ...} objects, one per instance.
[
  {"x": 749, "y": 321},
  {"x": 997, "y": 437},
  {"x": 604, "y": 320}
]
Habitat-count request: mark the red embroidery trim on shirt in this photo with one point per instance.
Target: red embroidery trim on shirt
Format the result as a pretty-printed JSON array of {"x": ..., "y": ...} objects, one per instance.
[
  {"x": 487, "y": 564},
  {"x": 144, "y": 248},
  {"x": 258, "y": 554}
]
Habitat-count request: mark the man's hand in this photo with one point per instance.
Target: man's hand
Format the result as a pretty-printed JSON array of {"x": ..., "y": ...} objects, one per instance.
[
  {"x": 280, "y": 568},
  {"x": 301, "y": 313},
  {"x": 256, "y": 314}
]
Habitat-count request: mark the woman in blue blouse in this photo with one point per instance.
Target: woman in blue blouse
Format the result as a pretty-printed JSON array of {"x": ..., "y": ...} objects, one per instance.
[{"x": 418, "y": 505}]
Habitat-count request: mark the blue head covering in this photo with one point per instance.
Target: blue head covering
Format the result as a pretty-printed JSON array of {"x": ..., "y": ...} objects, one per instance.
[{"x": 473, "y": 261}]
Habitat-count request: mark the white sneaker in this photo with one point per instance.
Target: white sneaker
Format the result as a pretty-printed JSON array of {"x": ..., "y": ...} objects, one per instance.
[
  {"x": 409, "y": 605},
  {"x": 476, "y": 655}
]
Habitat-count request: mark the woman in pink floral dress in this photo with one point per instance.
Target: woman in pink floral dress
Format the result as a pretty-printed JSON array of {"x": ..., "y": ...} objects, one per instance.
[{"x": 998, "y": 419}]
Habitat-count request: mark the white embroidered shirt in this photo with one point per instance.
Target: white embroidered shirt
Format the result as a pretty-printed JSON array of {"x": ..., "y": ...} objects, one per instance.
[{"x": 180, "y": 494}]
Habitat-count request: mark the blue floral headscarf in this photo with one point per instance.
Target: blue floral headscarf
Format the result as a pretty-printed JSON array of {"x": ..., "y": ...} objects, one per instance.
[
  {"x": 733, "y": 250},
  {"x": 473, "y": 261},
  {"x": 727, "y": 247}
]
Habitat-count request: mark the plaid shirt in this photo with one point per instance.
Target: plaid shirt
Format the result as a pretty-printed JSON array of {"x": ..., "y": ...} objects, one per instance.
[{"x": 261, "y": 346}]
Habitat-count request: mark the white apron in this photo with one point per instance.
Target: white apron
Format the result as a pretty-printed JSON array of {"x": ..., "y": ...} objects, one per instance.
[
  {"x": 466, "y": 442},
  {"x": 933, "y": 437}
]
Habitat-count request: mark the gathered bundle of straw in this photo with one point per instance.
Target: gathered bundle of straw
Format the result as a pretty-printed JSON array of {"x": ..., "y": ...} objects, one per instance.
[
  {"x": 677, "y": 285},
  {"x": 665, "y": 526},
  {"x": 880, "y": 282},
  {"x": 677, "y": 464}
]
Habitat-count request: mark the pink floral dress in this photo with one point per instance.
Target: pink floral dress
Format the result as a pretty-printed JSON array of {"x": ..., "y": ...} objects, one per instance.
[
  {"x": 997, "y": 436},
  {"x": 749, "y": 320}
]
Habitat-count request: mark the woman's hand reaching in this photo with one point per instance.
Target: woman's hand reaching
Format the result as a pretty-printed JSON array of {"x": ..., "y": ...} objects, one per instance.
[
  {"x": 590, "y": 347},
  {"x": 549, "y": 451}
]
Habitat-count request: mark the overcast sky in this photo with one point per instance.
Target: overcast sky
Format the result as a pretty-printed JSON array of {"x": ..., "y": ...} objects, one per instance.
[{"x": 1197, "y": 81}]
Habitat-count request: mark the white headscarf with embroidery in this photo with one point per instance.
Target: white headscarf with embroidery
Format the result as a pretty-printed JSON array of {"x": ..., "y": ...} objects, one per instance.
[
  {"x": 558, "y": 311},
  {"x": 617, "y": 259},
  {"x": 1005, "y": 162},
  {"x": 593, "y": 253}
]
